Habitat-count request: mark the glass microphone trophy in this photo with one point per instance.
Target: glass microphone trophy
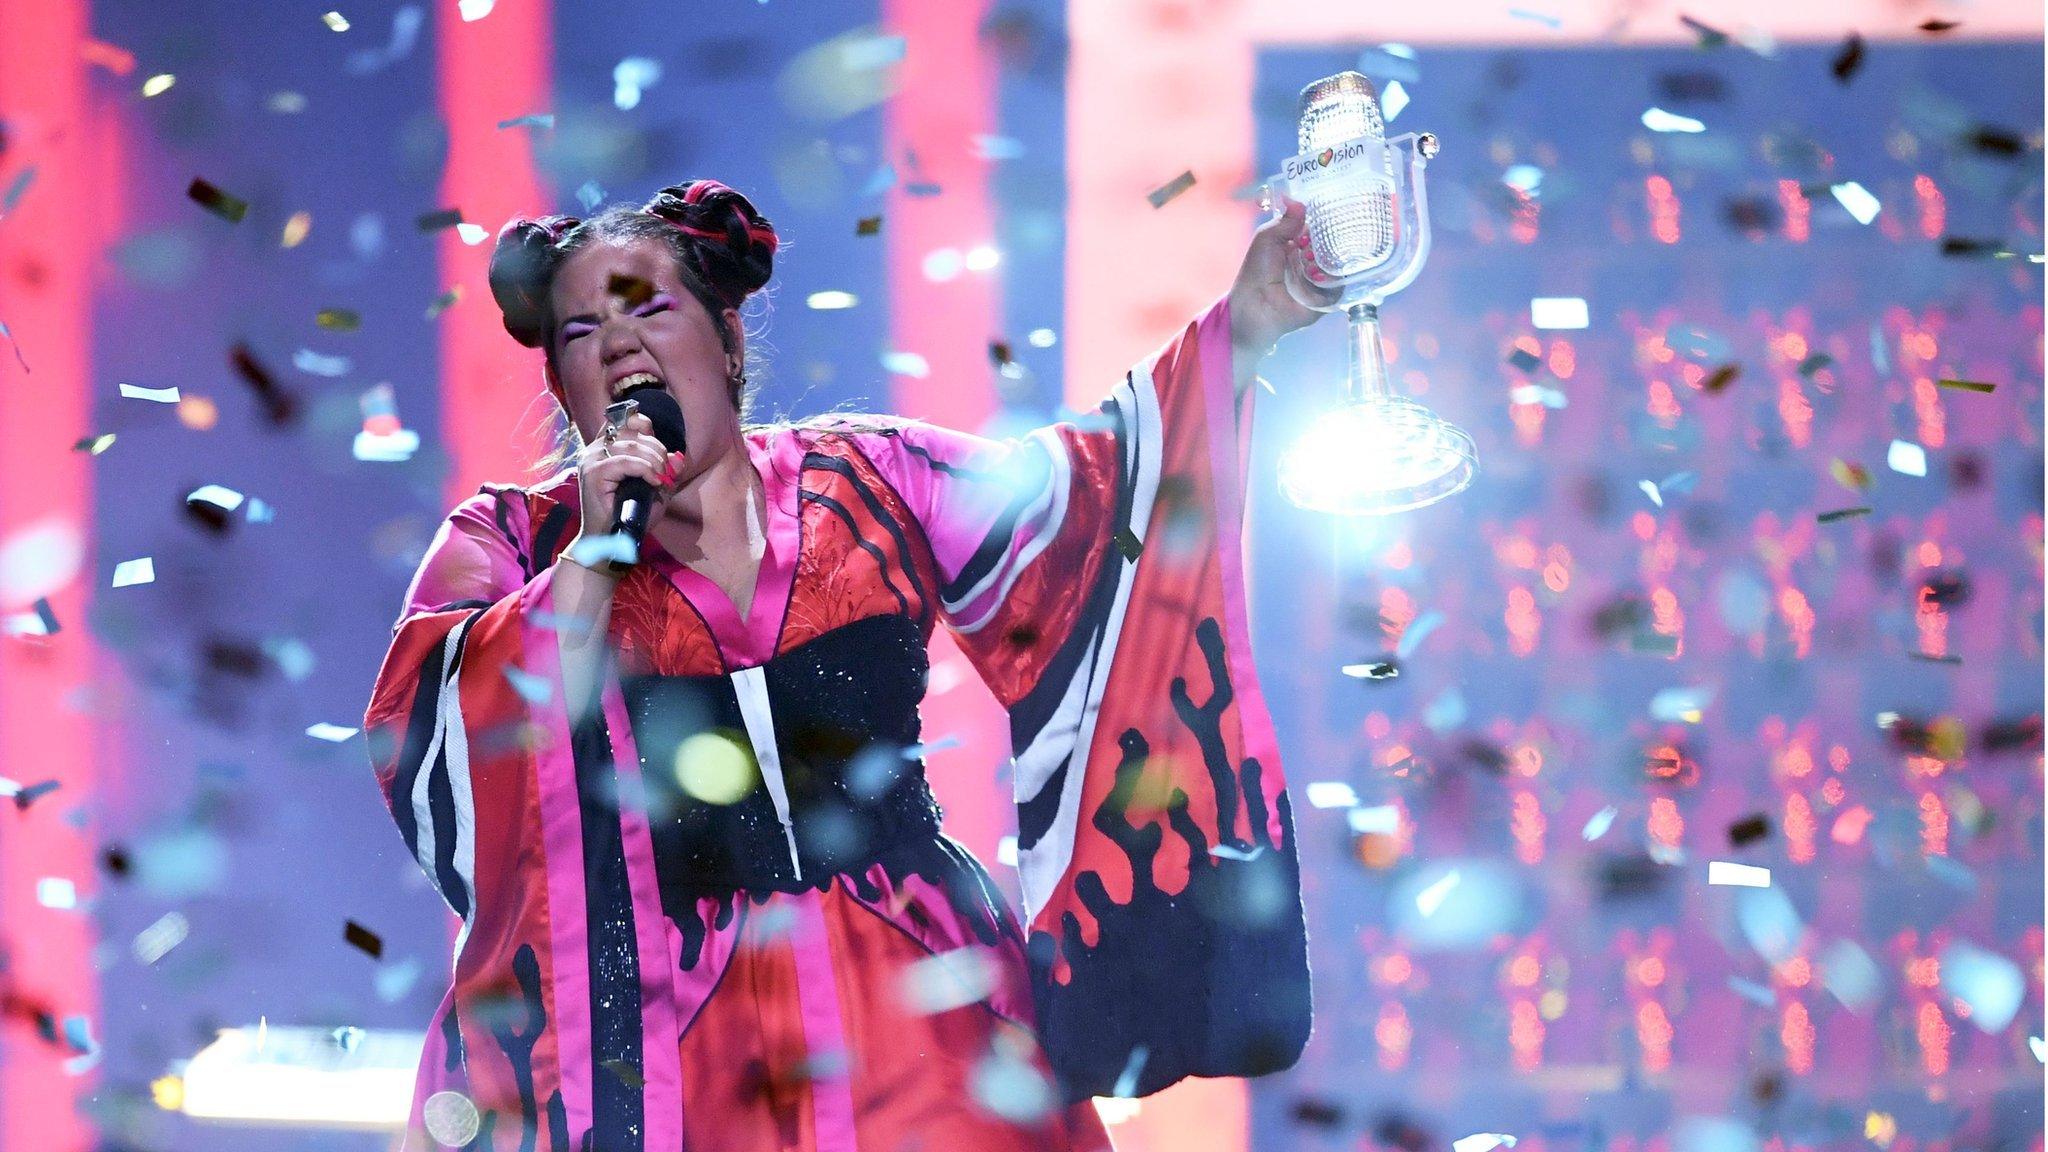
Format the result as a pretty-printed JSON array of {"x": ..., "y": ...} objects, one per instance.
[{"x": 1366, "y": 236}]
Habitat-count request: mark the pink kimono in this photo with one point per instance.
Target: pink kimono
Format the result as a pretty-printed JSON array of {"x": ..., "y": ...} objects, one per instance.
[{"x": 810, "y": 962}]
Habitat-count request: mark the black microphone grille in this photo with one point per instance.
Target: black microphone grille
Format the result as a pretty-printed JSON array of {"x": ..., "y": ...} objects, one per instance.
[{"x": 665, "y": 414}]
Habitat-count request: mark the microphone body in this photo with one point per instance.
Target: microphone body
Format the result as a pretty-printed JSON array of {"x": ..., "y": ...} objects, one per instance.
[{"x": 636, "y": 497}]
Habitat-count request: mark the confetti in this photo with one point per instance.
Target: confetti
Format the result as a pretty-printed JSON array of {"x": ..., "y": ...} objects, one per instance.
[
  {"x": 279, "y": 405},
  {"x": 1814, "y": 363},
  {"x": 363, "y": 939},
  {"x": 1430, "y": 899},
  {"x": 1967, "y": 385},
  {"x": 1525, "y": 360},
  {"x": 450, "y": 1119},
  {"x": 1990, "y": 984},
  {"x": 1750, "y": 829},
  {"x": 1718, "y": 380},
  {"x": 1848, "y": 59},
  {"x": 1936, "y": 25},
  {"x": 1841, "y": 514},
  {"x": 1753, "y": 992},
  {"x": 439, "y": 219},
  {"x": 156, "y": 941},
  {"x": 1857, "y": 199},
  {"x": 530, "y": 120},
  {"x": 216, "y": 201},
  {"x": 158, "y": 84},
  {"x": 335, "y": 21},
  {"x": 947, "y": 980},
  {"x": 868, "y": 226},
  {"x": 1482, "y": 1142},
  {"x": 1558, "y": 312},
  {"x": 1850, "y": 975},
  {"x": 138, "y": 571},
  {"x": 338, "y": 319},
  {"x": 313, "y": 363},
  {"x": 1163, "y": 194},
  {"x": 1417, "y": 631},
  {"x": 830, "y": 301},
  {"x": 295, "y": 229},
  {"x": 473, "y": 10},
  {"x": 1597, "y": 826},
  {"x": 16, "y": 188},
  {"x": 1331, "y": 794},
  {"x": 472, "y": 234},
  {"x": 627, "y": 1072},
  {"x": 1372, "y": 670},
  {"x": 443, "y": 302},
  {"x": 1907, "y": 458},
  {"x": 94, "y": 445},
  {"x": 631, "y": 77},
  {"x": 1726, "y": 872},
  {"x": 405, "y": 32},
  {"x": 332, "y": 733},
  {"x": 1658, "y": 120},
  {"x": 1854, "y": 477}
]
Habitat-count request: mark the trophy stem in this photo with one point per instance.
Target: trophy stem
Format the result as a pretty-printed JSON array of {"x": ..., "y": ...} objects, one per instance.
[{"x": 1368, "y": 361}]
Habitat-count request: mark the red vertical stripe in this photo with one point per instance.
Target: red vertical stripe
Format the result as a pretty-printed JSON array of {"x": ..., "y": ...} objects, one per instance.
[
  {"x": 46, "y": 256},
  {"x": 491, "y": 70},
  {"x": 947, "y": 98}
]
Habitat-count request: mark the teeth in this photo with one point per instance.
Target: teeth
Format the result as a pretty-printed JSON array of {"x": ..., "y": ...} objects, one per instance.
[{"x": 636, "y": 380}]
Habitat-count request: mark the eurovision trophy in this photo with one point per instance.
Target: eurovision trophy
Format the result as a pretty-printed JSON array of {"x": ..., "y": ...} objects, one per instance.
[{"x": 1367, "y": 235}]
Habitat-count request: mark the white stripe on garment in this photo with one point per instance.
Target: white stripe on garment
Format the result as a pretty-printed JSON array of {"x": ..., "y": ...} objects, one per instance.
[
  {"x": 751, "y": 686},
  {"x": 449, "y": 732},
  {"x": 1034, "y": 531},
  {"x": 1040, "y": 868}
]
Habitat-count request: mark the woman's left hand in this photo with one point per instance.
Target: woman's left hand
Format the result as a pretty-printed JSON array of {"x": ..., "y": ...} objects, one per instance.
[{"x": 1261, "y": 310}]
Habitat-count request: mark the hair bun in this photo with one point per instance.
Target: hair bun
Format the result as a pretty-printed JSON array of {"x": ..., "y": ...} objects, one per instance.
[
  {"x": 522, "y": 265},
  {"x": 733, "y": 245}
]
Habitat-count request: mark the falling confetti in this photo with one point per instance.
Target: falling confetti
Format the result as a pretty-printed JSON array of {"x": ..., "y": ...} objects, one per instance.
[
  {"x": 219, "y": 203},
  {"x": 132, "y": 572},
  {"x": 1161, "y": 195}
]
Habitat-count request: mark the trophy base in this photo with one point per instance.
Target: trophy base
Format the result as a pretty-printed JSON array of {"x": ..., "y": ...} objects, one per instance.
[{"x": 1377, "y": 456}]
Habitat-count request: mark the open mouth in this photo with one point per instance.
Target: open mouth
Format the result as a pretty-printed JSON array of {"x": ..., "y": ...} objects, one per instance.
[{"x": 636, "y": 380}]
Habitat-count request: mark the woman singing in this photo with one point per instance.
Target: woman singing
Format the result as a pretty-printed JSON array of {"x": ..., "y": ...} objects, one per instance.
[{"x": 675, "y": 793}]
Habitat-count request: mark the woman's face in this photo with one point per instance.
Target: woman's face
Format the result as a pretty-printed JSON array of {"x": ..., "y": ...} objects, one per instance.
[{"x": 620, "y": 311}]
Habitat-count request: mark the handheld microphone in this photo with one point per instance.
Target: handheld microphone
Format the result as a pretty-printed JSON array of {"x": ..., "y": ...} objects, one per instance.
[{"x": 636, "y": 496}]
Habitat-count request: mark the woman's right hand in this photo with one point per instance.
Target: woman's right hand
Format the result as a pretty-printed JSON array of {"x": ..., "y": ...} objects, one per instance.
[{"x": 602, "y": 466}]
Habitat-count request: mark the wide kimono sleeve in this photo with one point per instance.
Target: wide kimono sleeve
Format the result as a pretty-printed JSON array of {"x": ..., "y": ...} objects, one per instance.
[
  {"x": 473, "y": 753},
  {"x": 1093, "y": 573}
]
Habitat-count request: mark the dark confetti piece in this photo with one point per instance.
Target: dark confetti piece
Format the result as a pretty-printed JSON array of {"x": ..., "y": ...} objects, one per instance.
[
  {"x": 632, "y": 289},
  {"x": 30, "y": 793},
  {"x": 228, "y": 208},
  {"x": 1127, "y": 542},
  {"x": 1849, "y": 59},
  {"x": 1317, "y": 1113},
  {"x": 236, "y": 658},
  {"x": 1166, "y": 192},
  {"x": 48, "y": 616},
  {"x": 443, "y": 302},
  {"x": 868, "y": 226},
  {"x": 2011, "y": 735},
  {"x": 1697, "y": 85},
  {"x": 1709, "y": 36},
  {"x": 1842, "y": 514},
  {"x": 361, "y": 937},
  {"x": 530, "y": 120},
  {"x": 626, "y": 1072},
  {"x": 1749, "y": 829},
  {"x": 439, "y": 219},
  {"x": 1968, "y": 385},
  {"x": 1997, "y": 142},
  {"x": 1752, "y": 214},
  {"x": 1947, "y": 589},
  {"x": 115, "y": 860},
  {"x": 338, "y": 319},
  {"x": 1815, "y": 363},
  {"x": 999, "y": 351},
  {"x": 1524, "y": 359},
  {"x": 1720, "y": 378},
  {"x": 279, "y": 405},
  {"x": 1970, "y": 246},
  {"x": 1937, "y": 26},
  {"x": 1931, "y": 658}
]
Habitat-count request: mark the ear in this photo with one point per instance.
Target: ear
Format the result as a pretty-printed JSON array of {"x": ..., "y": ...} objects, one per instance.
[{"x": 739, "y": 333}]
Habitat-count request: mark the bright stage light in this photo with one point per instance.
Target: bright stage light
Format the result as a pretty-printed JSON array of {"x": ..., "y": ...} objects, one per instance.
[
  {"x": 1375, "y": 456},
  {"x": 299, "y": 1076}
]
